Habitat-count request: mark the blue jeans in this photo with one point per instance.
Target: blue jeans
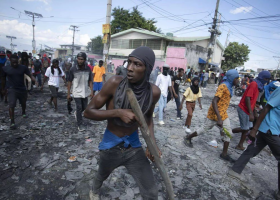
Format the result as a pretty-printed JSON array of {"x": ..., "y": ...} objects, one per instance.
[
  {"x": 205, "y": 84},
  {"x": 39, "y": 78},
  {"x": 178, "y": 103},
  {"x": 161, "y": 105}
]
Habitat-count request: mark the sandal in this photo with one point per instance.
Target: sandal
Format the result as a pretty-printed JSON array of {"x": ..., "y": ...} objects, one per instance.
[
  {"x": 188, "y": 142},
  {"x": 238, "y": 148},
  {"x": 227, "y": 158},
  {"x": 24, "y": 116}
]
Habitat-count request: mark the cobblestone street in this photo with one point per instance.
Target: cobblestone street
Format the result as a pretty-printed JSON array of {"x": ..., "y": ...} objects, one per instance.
[{"x": 34, "y": 159}]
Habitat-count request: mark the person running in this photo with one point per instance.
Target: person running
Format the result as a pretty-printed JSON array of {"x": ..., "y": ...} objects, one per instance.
[
  {"x": 268, "y": 128},
  {"x": 191, "y": 95},
  {"x": 205, "y": 79},
  {"x": 98, "y": 76},
  {"x": 37, "y": 71},
  {"x": 217, "y": 113},
  {"x": 120, "y": 145},
  {"x": 164, "y": 83},
  {"x": 81, "y": 76},
  {"x": 121, "y": 70},
  {"x": 16, "y": 87},
  {"x": 247, "y": 104},
  {"x": 54, "y": 73},
  {"x": 176, "y": 80}
]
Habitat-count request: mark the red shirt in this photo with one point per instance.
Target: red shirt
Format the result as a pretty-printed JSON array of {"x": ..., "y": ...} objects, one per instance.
[
  {"x": 91, "y": 67},
  {"x": 252, "y": 91}
]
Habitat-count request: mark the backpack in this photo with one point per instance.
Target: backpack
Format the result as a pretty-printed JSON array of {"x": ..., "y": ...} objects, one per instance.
[{"x": 45, "y": 63}]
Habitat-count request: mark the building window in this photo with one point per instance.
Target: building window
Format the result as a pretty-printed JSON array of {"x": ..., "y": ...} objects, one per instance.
[
  {"x": 199, "y": 48},
  {"x": 133, "y": 44}
]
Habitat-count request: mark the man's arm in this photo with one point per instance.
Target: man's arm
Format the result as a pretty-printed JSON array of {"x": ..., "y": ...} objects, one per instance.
[
  {"x": 199, "y": 101},
  {"x": 92, "y": 111},
  {"x": 175, "y": 95},
  {"x": 261, "y": 117},
  {"x": 215, "y": 107},
  {"x": 251, "y": 113},
  {"x": 103, "y": 76},
  {"x": 69, "y": 85},
  {"x": 170, "y": 90},
  {"x": 182, "y": 102}
]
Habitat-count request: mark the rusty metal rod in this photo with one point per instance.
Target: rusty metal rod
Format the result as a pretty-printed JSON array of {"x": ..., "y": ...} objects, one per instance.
[{"x": 150, "y": 142}]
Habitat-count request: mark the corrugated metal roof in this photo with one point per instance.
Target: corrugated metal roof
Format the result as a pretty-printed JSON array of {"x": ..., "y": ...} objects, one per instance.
[{"x": 176, "y": 39}]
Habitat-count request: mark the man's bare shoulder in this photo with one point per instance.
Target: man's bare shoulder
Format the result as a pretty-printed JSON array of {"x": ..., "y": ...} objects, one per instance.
[{"x": 156, "y": 92}]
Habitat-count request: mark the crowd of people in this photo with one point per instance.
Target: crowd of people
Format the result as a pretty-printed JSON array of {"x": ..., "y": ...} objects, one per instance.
[{"x": 258, "y": 110}]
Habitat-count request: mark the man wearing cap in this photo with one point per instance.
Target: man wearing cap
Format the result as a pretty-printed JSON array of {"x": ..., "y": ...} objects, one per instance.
[
  {"x": 81, "y": 76},
  {"x": 98, "y": 76},
  {"x": 120, "y": 145},
  {"x": 164, "y": 83}
]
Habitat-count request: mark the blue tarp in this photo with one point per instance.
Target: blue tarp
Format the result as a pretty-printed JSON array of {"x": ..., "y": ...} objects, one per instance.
[{"x": 202, "y": 61}]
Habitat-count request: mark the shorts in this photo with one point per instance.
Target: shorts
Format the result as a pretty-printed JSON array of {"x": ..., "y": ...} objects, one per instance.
[
  {"x": 14, "y": 95},
  {"x": 54, "y": 90},
  {"x": 245, "y": 124},
  {"x": 209, "y": 124},
  {"x": 97, "y": 86}
]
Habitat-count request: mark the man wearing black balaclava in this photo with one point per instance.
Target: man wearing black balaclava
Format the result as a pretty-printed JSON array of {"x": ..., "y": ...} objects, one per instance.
[
  {"x": 164, "y": 84},
  {"x": 120, "y": 145}
]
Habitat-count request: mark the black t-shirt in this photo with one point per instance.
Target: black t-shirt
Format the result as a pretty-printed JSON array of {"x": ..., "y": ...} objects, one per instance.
[
  {"x": 37, "y": 66},
  {"x": 177, "y": 81},
  {"x": 15, "y": 76}
]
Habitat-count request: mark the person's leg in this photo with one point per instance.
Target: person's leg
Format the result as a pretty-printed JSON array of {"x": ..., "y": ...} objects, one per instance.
[
  {"x": 190, "y": 109},
  {"x": 22, "y": 97},
  {"x": 100, "y": 85},
  {"x": 39, "y": 79},
  {"x": 78, "y": 102},
  {"x": 109, "y": 160},
  {"x": 244, "y": 126},
  {"x": 160, "y": 108},
  {"x": 12, "y": 105},
  {"x": 139, "y": 167},
  {"x": 84, "y": 103},
  {"x": 226, "y": 140},
  {"x": 250, "y": 152},
  {"x": 177, "y": 100}
]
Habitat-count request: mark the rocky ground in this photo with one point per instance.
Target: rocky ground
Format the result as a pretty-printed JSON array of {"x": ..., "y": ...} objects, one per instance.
[{"x": 34, "y": 159}]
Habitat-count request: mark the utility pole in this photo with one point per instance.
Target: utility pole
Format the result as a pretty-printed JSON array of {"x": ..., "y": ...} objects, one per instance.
[
  {"x": 74, "y": 29},
  {"x": 214, "y": 31},
  {"x": 41, "y": 48},
  {"x": 275, "y": 75},
  {"x": 107, "y": 34},
  {"x": 33, "y": 15},
  {"x": 225, "y": 46},
  {"x": 12, "y": 45}
]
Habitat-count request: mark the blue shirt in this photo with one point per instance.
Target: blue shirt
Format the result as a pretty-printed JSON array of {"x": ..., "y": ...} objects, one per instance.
[
  {"x": 110, "y": 140},
  {"x": 272, "y": 119}
]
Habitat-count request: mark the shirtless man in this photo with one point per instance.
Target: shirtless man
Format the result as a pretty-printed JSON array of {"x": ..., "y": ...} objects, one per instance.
[{"x": 120, "y": 145}]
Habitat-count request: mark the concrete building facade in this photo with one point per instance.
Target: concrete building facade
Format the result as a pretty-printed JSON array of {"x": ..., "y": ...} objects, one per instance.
[{"x": 178, "y": 52}]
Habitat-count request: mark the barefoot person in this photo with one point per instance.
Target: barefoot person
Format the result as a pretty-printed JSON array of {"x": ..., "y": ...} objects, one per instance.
[
  {"x": 247, "y": 104},
  {"x": 120, "y": 145},
  {"x": 217, "y": 113},
  {"x": 191, "y": 95},
  {"x": 268, "y": 128},
  {"x": 54, "y": 73},
  {"x": 16, "y": 87}
]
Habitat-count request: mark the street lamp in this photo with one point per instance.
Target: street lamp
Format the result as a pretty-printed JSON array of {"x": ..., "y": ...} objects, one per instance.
[{"x": 33, "y": 15}]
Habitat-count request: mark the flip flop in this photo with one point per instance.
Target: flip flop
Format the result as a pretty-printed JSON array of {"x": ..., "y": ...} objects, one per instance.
[
  {"x": 188, "y": 142},
  {"x": 13, "y": 127},
  {"x": 24, "y": 116}
]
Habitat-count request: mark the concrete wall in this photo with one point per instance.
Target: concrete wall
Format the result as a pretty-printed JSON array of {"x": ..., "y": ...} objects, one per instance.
[
  {"x": 217, "y": 54},
  {"x": 175, "y": 57}
]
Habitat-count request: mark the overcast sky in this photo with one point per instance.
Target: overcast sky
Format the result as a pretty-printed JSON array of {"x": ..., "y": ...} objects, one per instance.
[{"x": 183, "y": 18}]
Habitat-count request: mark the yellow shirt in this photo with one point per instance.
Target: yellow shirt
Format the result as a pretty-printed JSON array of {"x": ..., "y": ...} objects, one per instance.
[
  {"x": 190, "y": 96},
  {"x": 223, "y": 103},
  {"x": 98, "y": 73}
]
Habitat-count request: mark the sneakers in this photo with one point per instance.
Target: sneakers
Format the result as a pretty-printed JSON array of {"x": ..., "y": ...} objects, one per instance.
[
  {"x": 82, "y": 128},
  {"x": 235, "y": 175},
  {"x": 24, "y": 116},
  {"x": 161, "y": 123},
  {"x": 179, "y": 118},
  {"x": 93, "y": 196},
  {"x": 188, "y": 130}
]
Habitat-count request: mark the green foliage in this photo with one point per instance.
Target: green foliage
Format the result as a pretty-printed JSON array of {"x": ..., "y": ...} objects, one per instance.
[
  {"x": 123, "y": 20},
  {"x": 96, "y": 45},
  {"x": 235, "y": 55}
]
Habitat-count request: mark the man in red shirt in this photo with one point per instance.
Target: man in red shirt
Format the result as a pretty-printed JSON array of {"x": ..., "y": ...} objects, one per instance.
[{"x": 247, "y": 104}]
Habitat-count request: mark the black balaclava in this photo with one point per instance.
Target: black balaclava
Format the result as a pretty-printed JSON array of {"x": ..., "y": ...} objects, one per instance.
[
  {"x": 165, "y": 71},
  {"x": 143, "y": 91},
  {"x": 195, "y": 88}
]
